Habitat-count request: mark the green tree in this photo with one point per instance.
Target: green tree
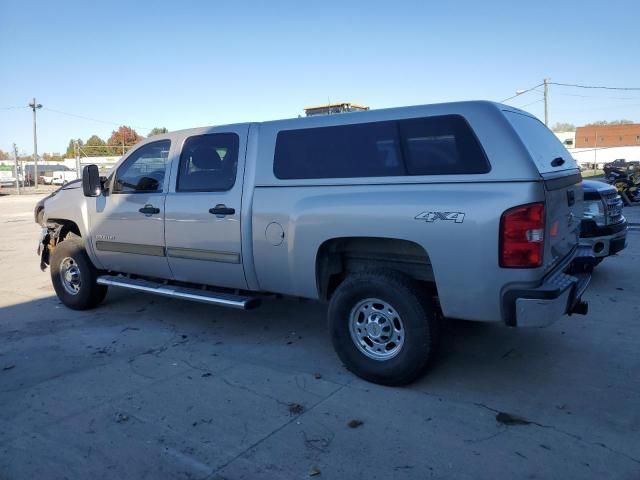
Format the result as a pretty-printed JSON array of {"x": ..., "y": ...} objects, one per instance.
[
  {"x": 157, "y": 131},
  {"x": 123, "y": 137},
  {"x": 95, "y": 147},
  {"x": 71, "y": 153},
  {"x": 53, "y": 157},
  {"x": 4, "y": 155},
  {"x": 564, "y": 127}
]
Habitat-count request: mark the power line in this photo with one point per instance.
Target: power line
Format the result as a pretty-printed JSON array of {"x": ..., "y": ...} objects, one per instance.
[
  {"x": 522, "y": 92},
  {"x": 609, "y": 107},
  {"x": 528, "y": 104},
  {"x": 12, "y": 108},
  {"x": 593, "y": 86},
  {"x": 595, "y": 96},
  {"x": 93, "y": 119}
]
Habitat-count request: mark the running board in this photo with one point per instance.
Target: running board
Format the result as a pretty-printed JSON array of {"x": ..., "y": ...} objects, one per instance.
[{"x": 185, "y": 293}]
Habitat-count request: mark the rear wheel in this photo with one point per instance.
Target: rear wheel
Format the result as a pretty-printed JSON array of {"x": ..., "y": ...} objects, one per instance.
[
  {"x": 74, "y": 276},
  {"x": 383, "y": 327}
]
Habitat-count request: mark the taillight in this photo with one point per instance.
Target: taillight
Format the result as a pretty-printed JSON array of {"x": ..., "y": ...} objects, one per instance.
[{"x": 522, "y": 236}]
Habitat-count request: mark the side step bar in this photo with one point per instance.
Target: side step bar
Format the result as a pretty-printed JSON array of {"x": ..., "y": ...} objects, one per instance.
[{"x": 185, "y": 293}]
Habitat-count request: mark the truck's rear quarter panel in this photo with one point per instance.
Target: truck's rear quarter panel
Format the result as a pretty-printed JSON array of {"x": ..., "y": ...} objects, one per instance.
[{"x": 464, "y": 255}]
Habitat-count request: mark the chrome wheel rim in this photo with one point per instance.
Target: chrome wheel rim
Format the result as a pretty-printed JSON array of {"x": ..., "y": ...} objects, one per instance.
[
  {"x": 376, "y": 329},
  {"x": 70, "y": 276}
]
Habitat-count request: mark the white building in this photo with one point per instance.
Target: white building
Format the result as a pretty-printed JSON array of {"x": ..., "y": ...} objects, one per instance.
[
  {"x": 596, "y": 156},
  {"x": 600, "y": 156},
  {"x": 568, "y": 139}
]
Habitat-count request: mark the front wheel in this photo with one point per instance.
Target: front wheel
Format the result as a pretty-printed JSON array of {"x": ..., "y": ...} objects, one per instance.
[
  {"x": 383, "y": 327},
  {"x": 74, "y": 276}
]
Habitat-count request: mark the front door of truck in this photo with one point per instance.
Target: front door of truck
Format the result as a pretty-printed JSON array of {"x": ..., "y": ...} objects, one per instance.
[
  {"x": 202, "y": 222},
  {"x": 127, "y": 223}
]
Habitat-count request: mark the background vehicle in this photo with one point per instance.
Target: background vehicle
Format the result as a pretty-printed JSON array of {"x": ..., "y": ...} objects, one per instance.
[
  {"x": 626, "y": 182},
  {"x": 7, "y": 178},
  {"x": 603, "y": 228},
  {"x": 63, "y": 177},
  {"x": 396, "y": 217},
  {"x": 621, "y": 164}
]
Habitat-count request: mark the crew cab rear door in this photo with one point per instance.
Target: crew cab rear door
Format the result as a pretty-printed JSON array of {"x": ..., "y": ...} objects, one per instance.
[
  {"x": 202, "y": 224},
  {"x": 562, "y": 182}
]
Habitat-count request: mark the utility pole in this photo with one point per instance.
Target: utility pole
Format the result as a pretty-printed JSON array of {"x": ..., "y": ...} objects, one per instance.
[
  {"x": 546, "y": 101},
  {"x": 76, "y": 151},
  {"x": 35, "y": 106},
  {"x": 15, "y": 158},
  {"x": 595, "y": 152}
]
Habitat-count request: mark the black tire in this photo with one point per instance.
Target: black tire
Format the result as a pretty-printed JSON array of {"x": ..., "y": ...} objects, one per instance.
[
  {"x": 40, "y": 217},
  {"x": 89, "y": 293},
  {"x": 419, "y": 319}
]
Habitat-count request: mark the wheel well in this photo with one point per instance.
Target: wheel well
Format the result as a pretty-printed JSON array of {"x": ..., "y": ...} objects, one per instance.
[
  {"x": 63, "y": 227},
  {"x": 338, "y": 257}
]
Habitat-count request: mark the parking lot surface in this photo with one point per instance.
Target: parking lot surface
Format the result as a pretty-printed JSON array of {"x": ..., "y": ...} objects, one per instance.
[{"x": 151, "y": 388}]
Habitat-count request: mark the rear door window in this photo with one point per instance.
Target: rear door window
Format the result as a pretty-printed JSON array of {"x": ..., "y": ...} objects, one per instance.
[
  {"x": 208, "y": 163},
  {"x": 543, "y": 146}
]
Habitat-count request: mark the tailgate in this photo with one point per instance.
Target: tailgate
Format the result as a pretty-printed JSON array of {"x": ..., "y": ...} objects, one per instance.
[
  {"x": 564, "y": 209},
  {"x": 562, "y": 182}
]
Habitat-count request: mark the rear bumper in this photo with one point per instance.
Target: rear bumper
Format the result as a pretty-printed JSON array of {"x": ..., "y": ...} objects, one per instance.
[{"x": 559, "y": 294}]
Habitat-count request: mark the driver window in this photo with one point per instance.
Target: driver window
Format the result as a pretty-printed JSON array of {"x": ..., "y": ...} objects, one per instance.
[{"x": 144, "y": 170}]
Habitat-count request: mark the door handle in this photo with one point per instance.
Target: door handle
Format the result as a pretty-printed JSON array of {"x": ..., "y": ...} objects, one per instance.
[
  {"x": 222, "y": 210},
  {"x": 149, "y": 210}
]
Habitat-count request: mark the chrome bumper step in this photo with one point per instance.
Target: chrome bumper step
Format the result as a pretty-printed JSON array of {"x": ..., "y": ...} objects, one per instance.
[{"x": 185, "y": 293}]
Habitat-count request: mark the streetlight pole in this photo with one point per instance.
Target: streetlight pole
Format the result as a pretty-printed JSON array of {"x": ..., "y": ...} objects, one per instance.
[
  {"x": 35, "y": 106},
  {"x": 76, "y": 152},
  {"x": 15, "y": 158}
]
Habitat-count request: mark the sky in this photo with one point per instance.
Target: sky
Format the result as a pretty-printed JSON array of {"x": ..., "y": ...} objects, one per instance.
[{"x": 184, "y": 64}]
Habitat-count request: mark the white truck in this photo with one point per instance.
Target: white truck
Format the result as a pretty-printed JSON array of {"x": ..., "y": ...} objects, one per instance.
[{"x": 62, "y": 177}]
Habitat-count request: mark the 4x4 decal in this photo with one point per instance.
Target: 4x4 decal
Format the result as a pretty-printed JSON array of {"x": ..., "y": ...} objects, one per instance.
[{"x": 457, "y": 217}]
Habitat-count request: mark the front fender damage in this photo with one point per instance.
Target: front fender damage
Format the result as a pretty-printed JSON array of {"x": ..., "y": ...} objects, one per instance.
[{"x": 48, "y": 241}]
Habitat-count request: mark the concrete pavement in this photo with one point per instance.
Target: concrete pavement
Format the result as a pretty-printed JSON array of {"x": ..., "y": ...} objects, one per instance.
[{"x": 147, "y": 387}]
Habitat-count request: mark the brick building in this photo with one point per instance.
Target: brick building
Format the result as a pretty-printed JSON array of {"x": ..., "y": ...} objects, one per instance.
[{"x": 603, "y": 136}]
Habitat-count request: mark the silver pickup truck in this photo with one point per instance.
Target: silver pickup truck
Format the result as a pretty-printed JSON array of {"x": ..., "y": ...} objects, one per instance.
[{"x": 397, "y": 217}]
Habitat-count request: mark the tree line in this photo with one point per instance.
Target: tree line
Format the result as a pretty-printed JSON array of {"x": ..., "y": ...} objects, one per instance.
[
  {"x": 570, "y": 127},
  {"x": 119, "y": 142},
  {"x": 95, "y": 146}
]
